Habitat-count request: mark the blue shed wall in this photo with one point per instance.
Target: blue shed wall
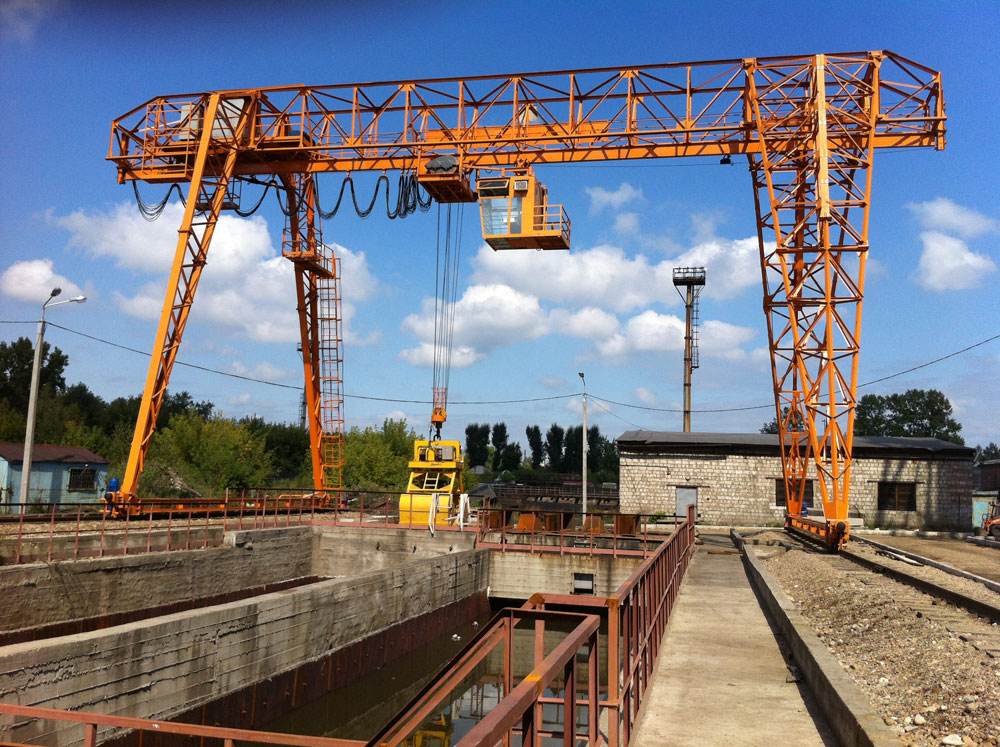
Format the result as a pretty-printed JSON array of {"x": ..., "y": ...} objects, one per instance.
[{"x": 50, "y": 483}]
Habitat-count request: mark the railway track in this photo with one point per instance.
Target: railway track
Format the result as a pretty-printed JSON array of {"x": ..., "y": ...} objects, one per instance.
[{"x": 948, "y": 598}]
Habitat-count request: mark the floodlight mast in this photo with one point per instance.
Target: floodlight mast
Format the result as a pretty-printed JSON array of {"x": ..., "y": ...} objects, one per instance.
[{"x": 809, "y": 126}]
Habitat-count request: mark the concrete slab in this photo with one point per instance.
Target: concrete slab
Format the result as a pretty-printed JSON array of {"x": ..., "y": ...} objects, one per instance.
[{"x": 721, "y": 676}]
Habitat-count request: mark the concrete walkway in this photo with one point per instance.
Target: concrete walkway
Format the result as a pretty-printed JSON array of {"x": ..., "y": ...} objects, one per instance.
[{"x": 720, "y": 679}]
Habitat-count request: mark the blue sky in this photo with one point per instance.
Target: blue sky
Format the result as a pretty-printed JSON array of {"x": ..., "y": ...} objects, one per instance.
[{"x": 527, "y": 322}]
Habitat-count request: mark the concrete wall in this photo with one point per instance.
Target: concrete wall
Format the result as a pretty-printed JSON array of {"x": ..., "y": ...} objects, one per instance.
[
  {"x": 45, "y": 593},
  {"x": 518, "y": 575},
  {"x": 173, "y": 663},
  {"x": 342, "y": 551},
  {"x": 740, "y": 489}
]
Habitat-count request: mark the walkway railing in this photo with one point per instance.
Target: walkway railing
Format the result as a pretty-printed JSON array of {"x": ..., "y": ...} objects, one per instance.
[
  {"x": 90, "y": 723},
  {"x": 636, "y": 617}
]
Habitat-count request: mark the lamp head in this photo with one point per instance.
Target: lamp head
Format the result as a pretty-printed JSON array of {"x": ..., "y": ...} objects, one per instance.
[
  {"x": 55, "y": 292},
  {"x": 79, "y": 299},
  {"x": 580, "y": 374}
]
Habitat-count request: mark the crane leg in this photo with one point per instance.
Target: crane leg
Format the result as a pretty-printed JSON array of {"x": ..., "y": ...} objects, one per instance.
[
  {"x": 206, "y": 196},
  {"x": 317, "y": 288},
  {"x": 812, "y": 186}
]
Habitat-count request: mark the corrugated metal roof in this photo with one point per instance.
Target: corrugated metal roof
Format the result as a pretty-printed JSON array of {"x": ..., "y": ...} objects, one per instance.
[
  {"x": 770, "y": 440},
  {"x": 45, "y": 453}
]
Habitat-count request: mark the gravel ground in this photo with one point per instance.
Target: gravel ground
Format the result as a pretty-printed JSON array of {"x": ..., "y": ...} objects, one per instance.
[
  {"x": 928, "y": 684},
  {"x": 973, "y": 589}
]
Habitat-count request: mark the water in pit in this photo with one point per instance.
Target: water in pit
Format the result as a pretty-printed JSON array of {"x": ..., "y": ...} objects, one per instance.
[{"x": 359, "y": 710}]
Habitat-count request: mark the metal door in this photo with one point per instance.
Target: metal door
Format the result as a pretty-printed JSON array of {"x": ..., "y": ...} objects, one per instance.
[{"x": 686, "y": 497}]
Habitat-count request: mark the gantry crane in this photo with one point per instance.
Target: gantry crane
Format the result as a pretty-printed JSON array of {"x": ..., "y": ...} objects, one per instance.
[{"x": 808, "y": 125}]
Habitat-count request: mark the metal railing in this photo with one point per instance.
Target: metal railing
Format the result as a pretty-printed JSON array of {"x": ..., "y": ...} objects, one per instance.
[
  {"x": 565, "y": 532},
  {"x": 207, "y": 735}
]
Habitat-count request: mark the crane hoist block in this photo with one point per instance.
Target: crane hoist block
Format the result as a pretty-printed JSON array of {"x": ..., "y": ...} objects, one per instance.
[
  {"x": 432, "y": 494},
  {"x": 445, "y": 180},
  {"x": 516, "y": 213}
]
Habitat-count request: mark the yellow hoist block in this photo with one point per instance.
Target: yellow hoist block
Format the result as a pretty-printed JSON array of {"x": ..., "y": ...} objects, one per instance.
[{"x": 435, "y": 484}]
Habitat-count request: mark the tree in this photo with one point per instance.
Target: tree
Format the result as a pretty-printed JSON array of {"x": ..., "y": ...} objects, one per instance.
[
  {"x": 378, "y": 458},
  {"x": 771, "y": 426},
  {"x": 554, "y": 446},
  {"x": 536, "y": 445},
  {"x": 511, "y": 457},
  {"x": 16, "y": 362},
  {"x": 477, "y": 444},
  {"x": 987, "y": 453},
  {"x": 921, "y": 413},
  {"x": 572, "y": 460},
  {"x": 499, "y": 442}
]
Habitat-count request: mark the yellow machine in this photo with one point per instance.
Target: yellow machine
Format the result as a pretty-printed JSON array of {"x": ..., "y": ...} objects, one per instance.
[
  {"x": 435, "y": 484},
  {"x": 516, "y": 213}
]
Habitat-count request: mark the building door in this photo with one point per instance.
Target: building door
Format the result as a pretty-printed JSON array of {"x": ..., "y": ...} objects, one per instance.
[{"x": 686, "y": 497}]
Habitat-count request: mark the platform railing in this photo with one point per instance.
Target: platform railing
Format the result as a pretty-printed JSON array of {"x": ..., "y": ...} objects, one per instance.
[{"x": 91, "y": 724}]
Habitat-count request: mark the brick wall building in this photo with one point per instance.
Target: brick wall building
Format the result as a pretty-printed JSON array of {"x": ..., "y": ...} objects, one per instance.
[{"x": 735, "y": 479}]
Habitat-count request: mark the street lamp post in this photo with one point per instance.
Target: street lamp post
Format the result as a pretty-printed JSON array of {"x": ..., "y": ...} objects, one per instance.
[
  {"x": 29, "y": 431},
  {"x": 584, "y": 446}
]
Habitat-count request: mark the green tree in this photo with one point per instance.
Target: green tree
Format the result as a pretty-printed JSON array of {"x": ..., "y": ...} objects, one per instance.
[
  {"x": 987, "y": 453},
  {"x": 771, "y": 426},
  {"x": 378, "y": 458},
  {"x": 572, "y": 461},
  {"x": 16, "y": 362},
  {"x": 921, "y": 413},
  {"x": 499, "y": 442},
  {"x": 554, "y": 446},
  {"x": 511, "y": 457},
  {"x": 477, "y": 442},
  {"x": 211, "y": 455},
  {"x": 536, "y": 445}
]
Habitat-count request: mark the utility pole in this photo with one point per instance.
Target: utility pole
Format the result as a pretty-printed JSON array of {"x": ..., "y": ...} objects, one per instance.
[
  {"x": 584, "y": 480},
  {"x": 29, "y": 430},
  {"x": 693, "y": 280}
]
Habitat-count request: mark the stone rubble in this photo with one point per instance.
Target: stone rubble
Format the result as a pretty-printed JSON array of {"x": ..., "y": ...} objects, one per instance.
[{"x": 929, "y": 685}]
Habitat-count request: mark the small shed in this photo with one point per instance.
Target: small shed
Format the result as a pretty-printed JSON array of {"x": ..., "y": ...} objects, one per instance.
[{"x": 59, "y": 474}]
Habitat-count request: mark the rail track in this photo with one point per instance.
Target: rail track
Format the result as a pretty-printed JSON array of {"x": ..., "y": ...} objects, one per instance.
[{"x": 953, "y": 599}]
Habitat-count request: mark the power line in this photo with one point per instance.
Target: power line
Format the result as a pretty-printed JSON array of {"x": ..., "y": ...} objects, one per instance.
[
  {"x": 507, "y": 401},
  {"x": 614, "y": 414}
]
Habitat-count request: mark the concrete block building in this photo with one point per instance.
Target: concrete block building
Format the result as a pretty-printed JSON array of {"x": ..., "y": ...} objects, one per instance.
[
  {"x": 736, "y": 479},
  {"x": 59, "y": 474}
]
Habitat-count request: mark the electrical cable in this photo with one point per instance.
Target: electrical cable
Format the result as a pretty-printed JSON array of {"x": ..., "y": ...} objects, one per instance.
[
  {"x": 499, "y": 402},
  {"x": 614, "y": 414}
]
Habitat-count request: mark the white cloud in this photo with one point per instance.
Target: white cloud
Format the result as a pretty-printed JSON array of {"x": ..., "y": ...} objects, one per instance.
[
  {"x": 246, "y": 286},
  {"x": 645, "y": 332},
  {"x": 20, "y": 19},
  {"x": 947, "y": 263},
  {"x": 601, "y": 198},
  {"x": 486, "y": 317},
  {"x": 942, "y": 214},
  {"x": 627, "y": 223},
  {"x": 608, "y": 278},
  {"x": 554, "y": 383},
  {"x": 724, "y": 340},
  {"x": 646, "y": 396},
  {"x": 262, "y": 370},
  {"x": 33, "y": 280},
  {"x": 590, "y": 323}
]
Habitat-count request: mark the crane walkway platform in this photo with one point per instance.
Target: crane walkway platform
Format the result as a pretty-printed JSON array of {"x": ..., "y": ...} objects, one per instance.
[{"x": 721, "y": 677}]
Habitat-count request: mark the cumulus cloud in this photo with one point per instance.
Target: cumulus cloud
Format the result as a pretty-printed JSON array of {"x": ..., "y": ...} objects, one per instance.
[
  {"x": 724, "y": 340},
  {"x": 246, "y": 286},
  {"x": 486, "y": 317},
  {"x": 627, "y": 223},
  {"x": 645, "y": 332},
  {"x": 941, "y": 214},
  {"x": 615, "y": 199},
  {"x": 262, "y": 370},
  {"x": 33, "y": 280},
  {"x": 947, "y": 263},
  {"x": 607, "y": 277},
  {"x": 20, "y": 19},
  {"x": 590, "y": 323},
  {"x": 554, "y": 383}
]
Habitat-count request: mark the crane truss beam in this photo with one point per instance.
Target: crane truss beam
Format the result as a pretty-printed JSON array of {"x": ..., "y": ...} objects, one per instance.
[{"x": 656, "y": 111}]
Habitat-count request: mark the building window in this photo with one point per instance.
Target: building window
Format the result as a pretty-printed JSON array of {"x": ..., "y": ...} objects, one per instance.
[
  {"x": 83, "y": 479},
  {"x": 780, "y": 498},
  {"x": 897, "y": 496}
]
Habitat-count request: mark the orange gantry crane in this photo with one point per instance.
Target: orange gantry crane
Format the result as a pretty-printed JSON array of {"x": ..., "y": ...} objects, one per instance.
[{"x": 809, "y": 126}]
